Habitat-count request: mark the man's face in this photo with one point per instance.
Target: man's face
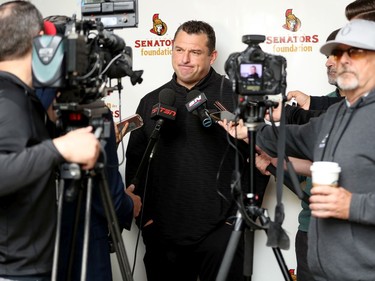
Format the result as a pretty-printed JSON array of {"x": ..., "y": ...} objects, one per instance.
[
  {"x": 191, "y": 59},
  {"x": 331, "y": 70},
  {"x": 355, "y": 69},
  {"x": 253, "y": 70}
]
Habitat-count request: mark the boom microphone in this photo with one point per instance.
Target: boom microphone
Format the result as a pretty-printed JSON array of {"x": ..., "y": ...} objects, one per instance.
[{"x": 197, "y": 105}]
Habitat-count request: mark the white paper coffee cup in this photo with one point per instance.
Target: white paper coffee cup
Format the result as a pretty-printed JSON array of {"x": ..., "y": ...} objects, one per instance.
[{"x": 325, "y": 173}]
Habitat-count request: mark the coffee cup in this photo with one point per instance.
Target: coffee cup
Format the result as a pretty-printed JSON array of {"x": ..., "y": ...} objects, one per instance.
[{"x": 325, "y": 173}]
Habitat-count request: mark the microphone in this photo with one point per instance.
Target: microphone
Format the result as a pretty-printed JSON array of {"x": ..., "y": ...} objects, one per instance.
[
  {"x": 164, "y": 109},
  {"x": 49, "y": 28},
  {"x": 197, "y": 105},
  {"x": 161, "y": 111}
]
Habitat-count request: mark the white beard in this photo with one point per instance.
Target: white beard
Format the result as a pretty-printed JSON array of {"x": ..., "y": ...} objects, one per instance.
[{"x": 347, "y": 83}]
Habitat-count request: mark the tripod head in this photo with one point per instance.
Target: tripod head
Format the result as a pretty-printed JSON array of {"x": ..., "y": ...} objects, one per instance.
[{"x": 72, "y": 116}]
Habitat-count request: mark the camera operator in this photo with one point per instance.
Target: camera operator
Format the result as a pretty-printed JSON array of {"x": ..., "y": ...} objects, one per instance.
[
  {"x": 28, "y": 156},
  {"x": 126, "y": 204}
]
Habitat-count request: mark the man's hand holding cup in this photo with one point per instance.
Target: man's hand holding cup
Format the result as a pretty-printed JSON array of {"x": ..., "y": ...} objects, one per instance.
[{"x": 328, "y": 200}]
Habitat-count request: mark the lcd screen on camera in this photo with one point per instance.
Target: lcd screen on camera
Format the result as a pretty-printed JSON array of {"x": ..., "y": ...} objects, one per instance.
[
  {"x": 251, "y": 70},
  {"x": 251, "y": 76}
]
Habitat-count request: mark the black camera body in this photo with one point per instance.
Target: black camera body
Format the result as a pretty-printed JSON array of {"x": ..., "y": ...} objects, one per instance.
[{"x": 254, "y": 72}]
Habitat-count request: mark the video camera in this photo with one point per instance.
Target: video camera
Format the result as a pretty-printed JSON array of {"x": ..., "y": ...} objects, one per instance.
[
  {"x": 82, "y": 57},
  {"x": 254, "y": 72},
  {"x": 79, "y": 59}
]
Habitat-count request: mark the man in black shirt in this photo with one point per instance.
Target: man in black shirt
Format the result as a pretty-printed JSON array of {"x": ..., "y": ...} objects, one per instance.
[{"x": 188, "y": 198}]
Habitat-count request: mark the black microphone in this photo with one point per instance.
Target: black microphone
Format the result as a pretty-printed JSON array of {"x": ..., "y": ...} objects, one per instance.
[
  {"x": 164, "y": 109},
  {"x": 161, "y": 111},
  {"x": 197, "y": 104}
]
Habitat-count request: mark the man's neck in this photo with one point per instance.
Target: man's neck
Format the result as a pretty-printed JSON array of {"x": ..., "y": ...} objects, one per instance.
[
  {"x": 19, "y": 67},
  {"x": 354, "y": 95}
]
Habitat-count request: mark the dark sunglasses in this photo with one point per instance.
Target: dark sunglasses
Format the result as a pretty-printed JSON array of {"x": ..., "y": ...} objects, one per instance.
[{"x": 353, "y": 53}]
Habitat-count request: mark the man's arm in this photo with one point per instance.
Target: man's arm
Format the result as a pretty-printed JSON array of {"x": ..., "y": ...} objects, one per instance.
[
  {"x": 20, "y": 169},
  {"x": 136, "y": 147},
  {"x": 126, "y": 204},
  {"x": 312, "y": 102},
  {"x": 299, "y": 139},
  {"x": 323, "y": 102},
  {"x": 299, "y": 116}
]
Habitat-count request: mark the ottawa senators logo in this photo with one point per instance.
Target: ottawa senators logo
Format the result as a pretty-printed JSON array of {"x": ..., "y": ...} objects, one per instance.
[
  {"x": 292, "y": 23},
  {"x": 159, "y": 27}
]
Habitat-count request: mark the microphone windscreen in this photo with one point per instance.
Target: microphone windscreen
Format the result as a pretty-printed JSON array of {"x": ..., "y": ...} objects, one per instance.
[
  {"x": 49, "y": 28},
  {"x": 195, "y": 100},
  {"x": 192, "y": 95},
  {"x": 167, "y": 97}
]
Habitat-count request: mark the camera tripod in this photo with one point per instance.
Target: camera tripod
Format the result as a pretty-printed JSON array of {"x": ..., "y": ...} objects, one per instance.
[
  {"x": 110, "y": 214},
  {"x": 253, "y": 112},
  {"x": 80, "y": 183}
]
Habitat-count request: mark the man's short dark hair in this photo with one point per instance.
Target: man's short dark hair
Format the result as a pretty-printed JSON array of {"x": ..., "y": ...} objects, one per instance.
[
  {"x": 359, "y": 9},
  {"x": 332, "y": 35},
  {"x": 20, "y": 22},
  {"x": 199, "y": 27}
]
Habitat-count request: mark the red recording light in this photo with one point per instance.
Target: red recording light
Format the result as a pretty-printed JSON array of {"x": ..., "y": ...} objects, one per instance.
[{"x": 75, "y": 116}]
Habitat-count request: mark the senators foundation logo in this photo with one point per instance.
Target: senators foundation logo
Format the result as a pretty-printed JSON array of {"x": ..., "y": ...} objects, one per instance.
[
  {"x": 294, "y": 42},
  {"x": 292, "y": 23},
  {"x": 162, "y": 46},
  {"x": 159, "y": 27}
]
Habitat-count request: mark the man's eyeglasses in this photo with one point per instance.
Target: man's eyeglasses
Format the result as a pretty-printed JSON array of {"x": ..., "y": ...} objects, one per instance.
[{"x": 353, "y": 53}]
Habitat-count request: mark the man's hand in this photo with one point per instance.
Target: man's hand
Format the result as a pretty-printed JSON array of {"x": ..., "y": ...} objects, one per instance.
[
  {"x": 302, "y": 99},
  {"x": 263, "y": 160},
  {"x": 120, "y": 135},
  {"x": 137, "y": 202},
  {"x": 238, "y": 130},
  {"x": 276, "y": 113},
  {"x": 79, "y": 146},
  {"x": 330, "y": 202}
]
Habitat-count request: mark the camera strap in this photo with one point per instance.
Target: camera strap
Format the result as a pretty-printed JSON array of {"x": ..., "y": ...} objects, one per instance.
[{"x": 277, "y": 237}]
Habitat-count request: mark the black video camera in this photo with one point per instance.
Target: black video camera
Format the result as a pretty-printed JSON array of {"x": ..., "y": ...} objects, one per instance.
[
  {"x": 254, "y": 72},
  {"x": 80, "y": 61}
]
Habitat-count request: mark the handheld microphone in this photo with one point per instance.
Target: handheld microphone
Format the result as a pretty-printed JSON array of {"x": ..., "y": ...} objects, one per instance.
[{"x": 197, "y": 105}]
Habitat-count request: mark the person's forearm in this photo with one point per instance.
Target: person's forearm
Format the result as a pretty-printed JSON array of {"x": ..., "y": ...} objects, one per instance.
[
  {"x": 18, "y": 170},
  {"x": 322, "y": 102}
]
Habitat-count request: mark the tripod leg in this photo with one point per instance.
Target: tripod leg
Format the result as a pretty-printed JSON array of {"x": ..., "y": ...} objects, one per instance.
[
  {"x": 231, "y": 249},
  {"x": 249, "y": 253},
  {"x": 282, "y": 265},
  {"x": 86, "y": 234},
  {"x": 264, "y": 219},
  {"x": 58, "y": 231},
  {"x": 115, "y": 229}
]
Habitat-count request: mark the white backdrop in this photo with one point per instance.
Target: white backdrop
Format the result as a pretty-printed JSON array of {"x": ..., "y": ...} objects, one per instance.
[{"x": 230, "y": 19}]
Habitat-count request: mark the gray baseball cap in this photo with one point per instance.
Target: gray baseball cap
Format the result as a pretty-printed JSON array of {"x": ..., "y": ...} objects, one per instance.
[{"x": 357, "y": 33}]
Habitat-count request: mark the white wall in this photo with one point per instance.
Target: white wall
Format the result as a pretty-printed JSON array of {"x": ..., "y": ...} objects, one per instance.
[{"x": 231, "y": 20}]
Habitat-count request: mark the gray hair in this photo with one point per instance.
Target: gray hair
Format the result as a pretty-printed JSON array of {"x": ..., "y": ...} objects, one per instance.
[{"x": 20, "y": 22}]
